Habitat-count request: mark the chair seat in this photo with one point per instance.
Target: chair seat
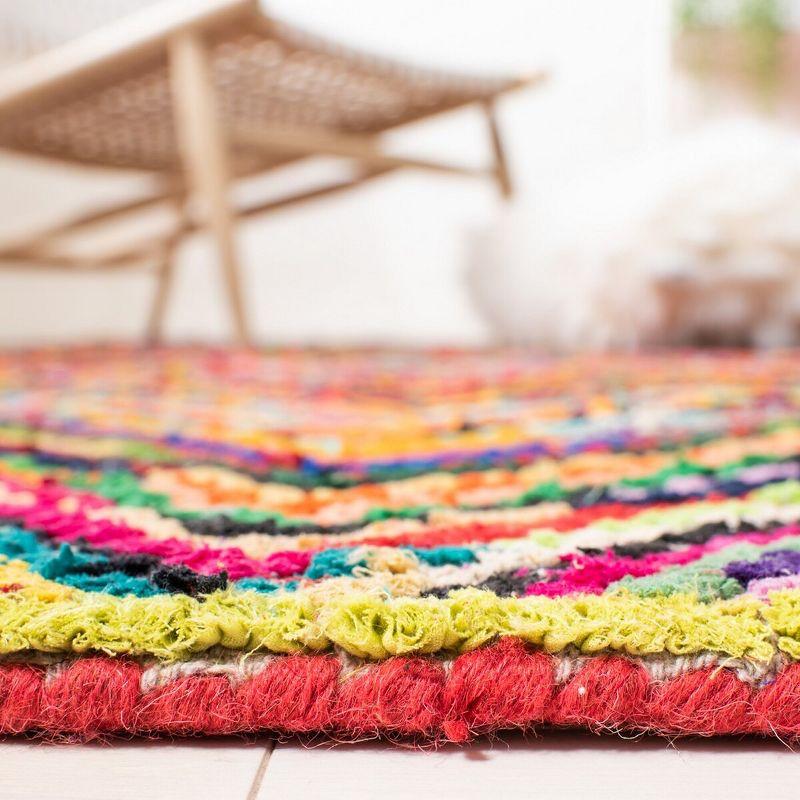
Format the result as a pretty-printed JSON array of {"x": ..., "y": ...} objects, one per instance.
[{"x": 266, "y": 73}]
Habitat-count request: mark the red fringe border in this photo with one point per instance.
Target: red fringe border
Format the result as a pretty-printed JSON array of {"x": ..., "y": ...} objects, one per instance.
[{"x": 500, "y": 687}]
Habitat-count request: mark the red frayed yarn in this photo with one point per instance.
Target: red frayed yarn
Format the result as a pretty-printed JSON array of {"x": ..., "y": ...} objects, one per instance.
[
  {"x": 505, "y": 685},
  {"x": 776, "y": 707},
  {"x": 399, "y": 695},
  {"x": 91, "y": 695},
  {"x": 294, "y": 694},
  {"x": 709, "y": 702},
  {"x": 475, "y": 532},
  {"x": 607, "y": 693},
  {"x": 502, "y": 686},
  {"x": 580, "y": 517},
  {"x": 20, "y": 697},
  {"x": 197, "y": 704}
]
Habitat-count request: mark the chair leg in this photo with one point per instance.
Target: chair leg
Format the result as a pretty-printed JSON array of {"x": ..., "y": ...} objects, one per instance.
[
  {"x": 204, "y": 152},
  {"x": 501, "y": 171},
  {"x": 164, "y": 276}
]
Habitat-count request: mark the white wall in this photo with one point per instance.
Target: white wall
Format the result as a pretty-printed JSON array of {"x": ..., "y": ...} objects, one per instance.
[{"x": 382, "y": 263}]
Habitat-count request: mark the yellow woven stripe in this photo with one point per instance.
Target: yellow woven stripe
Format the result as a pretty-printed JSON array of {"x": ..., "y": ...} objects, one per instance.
[
  {"x": 46, "y": 617},
  {"x": 17, "y": 578}
]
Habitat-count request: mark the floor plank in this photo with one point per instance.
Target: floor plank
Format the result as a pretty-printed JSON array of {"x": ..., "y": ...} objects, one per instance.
[
  {"x": 563, "y": 765},
  {"x": 191, "y": 769},
  {"x": 559, "y": 765}
]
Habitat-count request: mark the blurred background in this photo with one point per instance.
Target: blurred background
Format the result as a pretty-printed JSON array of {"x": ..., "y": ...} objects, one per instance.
[{"x": 630, "y": 163}]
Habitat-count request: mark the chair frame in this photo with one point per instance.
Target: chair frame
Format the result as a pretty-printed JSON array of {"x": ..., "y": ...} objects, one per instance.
[{"x": 200, "y": 194}]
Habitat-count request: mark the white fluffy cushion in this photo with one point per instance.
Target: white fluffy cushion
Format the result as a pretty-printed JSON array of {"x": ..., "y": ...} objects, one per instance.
[{"x": 695, "y": 242}]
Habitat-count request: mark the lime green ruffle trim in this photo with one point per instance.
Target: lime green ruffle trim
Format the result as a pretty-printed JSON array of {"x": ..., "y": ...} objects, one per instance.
[{"x": 176, "y": 626}]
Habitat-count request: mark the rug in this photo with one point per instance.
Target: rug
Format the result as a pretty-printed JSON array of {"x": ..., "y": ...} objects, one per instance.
[{"x": 424, "y": 545}]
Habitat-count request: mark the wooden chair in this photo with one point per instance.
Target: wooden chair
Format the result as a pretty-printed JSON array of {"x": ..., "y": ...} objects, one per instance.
[{"x": 203, "y": 93}]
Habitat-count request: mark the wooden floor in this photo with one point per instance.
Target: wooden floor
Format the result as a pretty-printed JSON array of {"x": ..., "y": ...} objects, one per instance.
[{"x": 558, "y": 764}]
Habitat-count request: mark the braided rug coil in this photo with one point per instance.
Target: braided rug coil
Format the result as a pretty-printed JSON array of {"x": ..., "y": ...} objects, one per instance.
[{"x": 421, "y": 545}]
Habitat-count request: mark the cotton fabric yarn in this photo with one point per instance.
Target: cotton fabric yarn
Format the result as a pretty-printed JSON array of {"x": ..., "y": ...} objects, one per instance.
[{"x": 426, "y": 545}]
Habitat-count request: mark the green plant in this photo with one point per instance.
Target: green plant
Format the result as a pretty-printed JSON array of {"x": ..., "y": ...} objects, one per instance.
[
  {"x": 751, "y": 15},
  {"x": 761, "y": 24}
]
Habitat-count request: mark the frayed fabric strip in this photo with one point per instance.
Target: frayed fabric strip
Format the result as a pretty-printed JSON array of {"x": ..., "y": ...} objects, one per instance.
[
  {"x": 48, "y": 617},
  {"x": 432, "y": 545},
  {"x": 500, "y": 687}
]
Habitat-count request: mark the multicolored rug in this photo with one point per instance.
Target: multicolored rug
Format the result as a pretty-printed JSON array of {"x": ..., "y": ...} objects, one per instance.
[{"x": 431, "y": 545}]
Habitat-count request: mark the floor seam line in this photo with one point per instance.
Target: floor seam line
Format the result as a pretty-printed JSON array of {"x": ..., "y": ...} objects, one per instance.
[{"x": 258, "y": 778}]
